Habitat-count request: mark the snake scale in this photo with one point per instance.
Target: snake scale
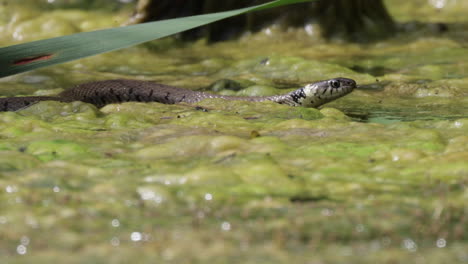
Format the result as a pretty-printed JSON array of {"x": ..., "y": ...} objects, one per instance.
[{"x": 100, "y": 93}]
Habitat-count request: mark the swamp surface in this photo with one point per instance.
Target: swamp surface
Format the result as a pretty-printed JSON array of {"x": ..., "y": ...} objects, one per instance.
[{"x": 378, "y": 176}]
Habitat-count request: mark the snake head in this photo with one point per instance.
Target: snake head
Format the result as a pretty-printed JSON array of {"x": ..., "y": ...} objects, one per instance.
[{"x": 319, "y": 93}]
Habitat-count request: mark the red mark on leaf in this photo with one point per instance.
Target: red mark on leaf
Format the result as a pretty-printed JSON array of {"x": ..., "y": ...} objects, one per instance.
[{"x": 28, "y": 60}]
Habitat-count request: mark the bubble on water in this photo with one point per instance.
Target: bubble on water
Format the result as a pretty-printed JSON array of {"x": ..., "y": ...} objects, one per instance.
[
  {"x": 208, "y": 196},
  {"x": 146, "y": 237},
  {"x": 11, "y": 189},
  {"x": 200, "y": 214},
  {"x": 438, "y": 3},
  {"x": 458, "y": 124},
  {"x": 115, "y": 222},
  {"x": 115, "y": 241},
  {"x": 309, "y": 28},
  {"x": 21, "y": 249},
  {"x": 56, "y": 189},
  {"x": 150, "y": 195},
  {"x": 136, "y": 236},
  {"x": 24, "y": 240},
  {"x": 386, "y": 241},
  {"x": 359, "y": 228},
  {"x": 441, "y": 243},
  {"x": 226, "y": 226},
  {"x": 327, "y": 212},
  {"x": 410, "y": 245}
]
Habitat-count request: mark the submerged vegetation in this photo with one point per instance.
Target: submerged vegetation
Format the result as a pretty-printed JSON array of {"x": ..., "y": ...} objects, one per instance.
[{"x": 376, "y": 177}]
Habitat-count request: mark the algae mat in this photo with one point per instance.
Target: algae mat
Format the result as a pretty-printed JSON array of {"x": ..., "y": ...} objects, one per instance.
[{"x": 376, "y": 177}]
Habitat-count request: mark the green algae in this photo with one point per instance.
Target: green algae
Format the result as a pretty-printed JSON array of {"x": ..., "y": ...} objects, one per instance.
[{"x": 229, "y": 181}]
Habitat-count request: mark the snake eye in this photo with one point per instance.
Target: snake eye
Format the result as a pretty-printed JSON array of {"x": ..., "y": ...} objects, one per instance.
[{"x": 335, "y": 84}]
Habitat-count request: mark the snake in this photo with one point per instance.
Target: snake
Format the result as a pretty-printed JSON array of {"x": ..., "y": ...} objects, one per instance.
[{"x": 101, "y": 93}]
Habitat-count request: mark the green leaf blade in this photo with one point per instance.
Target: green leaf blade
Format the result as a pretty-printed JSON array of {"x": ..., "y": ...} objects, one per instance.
[{"x": 42, "y": 53}]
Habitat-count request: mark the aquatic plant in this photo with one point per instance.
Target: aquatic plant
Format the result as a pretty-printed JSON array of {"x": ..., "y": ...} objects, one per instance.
[{"x": 37, "y": 54}]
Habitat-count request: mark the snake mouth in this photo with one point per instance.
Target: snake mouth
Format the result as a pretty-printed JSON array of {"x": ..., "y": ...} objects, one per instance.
[
  {"x": 347, "y": 84},
  {"x": 338, "y": 87}
]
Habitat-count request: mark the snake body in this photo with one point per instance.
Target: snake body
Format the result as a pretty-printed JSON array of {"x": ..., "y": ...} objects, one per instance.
[{"x": 100, "y": 93}]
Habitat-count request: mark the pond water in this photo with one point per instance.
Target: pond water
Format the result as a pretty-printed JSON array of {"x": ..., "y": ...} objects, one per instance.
[{"x": 378, "y": 176}]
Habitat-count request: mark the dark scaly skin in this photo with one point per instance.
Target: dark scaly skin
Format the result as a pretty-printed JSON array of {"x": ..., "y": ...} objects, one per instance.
[{"x": 100, "y": 93}]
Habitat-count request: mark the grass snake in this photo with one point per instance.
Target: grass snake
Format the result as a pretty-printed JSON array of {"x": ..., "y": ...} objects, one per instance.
[{"x": 100, "y": 93}]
